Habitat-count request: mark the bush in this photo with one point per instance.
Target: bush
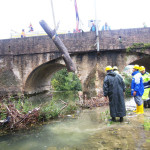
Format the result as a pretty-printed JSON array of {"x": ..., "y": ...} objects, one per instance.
[
  {"x": 22, "y": 104},
  {"x": 48, "y": 111},
  {"x": 70, "y": 109},
  {"x": 65, "y": 81},
  {"x": 127, "y": 81}
]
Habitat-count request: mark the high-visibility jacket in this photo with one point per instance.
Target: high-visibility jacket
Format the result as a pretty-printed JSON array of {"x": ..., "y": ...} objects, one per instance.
[
  {"x": 147, "y": 85},
  {"x": 146, "y": 80}
]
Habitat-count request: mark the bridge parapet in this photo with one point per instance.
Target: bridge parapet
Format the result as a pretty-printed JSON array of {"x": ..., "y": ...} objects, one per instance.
[
  {"x": 123, "y": 38},
  {"x": 76, "y": 42}
]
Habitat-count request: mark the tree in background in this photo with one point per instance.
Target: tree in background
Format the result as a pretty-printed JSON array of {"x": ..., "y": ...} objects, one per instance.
[{"x": 65, "y": 81}]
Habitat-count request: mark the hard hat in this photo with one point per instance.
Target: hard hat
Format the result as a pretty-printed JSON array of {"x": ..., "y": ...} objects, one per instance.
[
  {"x": 115, "y": 68},
  {"x": 108, "y": 68},
  {"x": 136, "y": 67},
  {"x": 141, "y": 68}
]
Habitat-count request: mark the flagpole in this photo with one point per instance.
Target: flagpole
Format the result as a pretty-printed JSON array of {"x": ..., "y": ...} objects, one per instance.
[
  {"x": 53, "y": 14},
  {"x": 77, "y": 16},
  {"x": 97, "y": 36}
]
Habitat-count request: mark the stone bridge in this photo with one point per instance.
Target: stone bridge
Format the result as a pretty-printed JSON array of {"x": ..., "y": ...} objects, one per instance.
[{"x": 27, "y": 64}]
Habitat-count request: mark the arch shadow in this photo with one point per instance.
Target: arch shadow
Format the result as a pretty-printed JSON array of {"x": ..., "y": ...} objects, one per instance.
[
  {"x": 39, "y": 79},
  {"x": 145, "y": 61}
]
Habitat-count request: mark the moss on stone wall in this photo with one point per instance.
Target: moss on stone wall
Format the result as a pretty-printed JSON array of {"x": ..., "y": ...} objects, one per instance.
[{"x": 135, "y": 46}]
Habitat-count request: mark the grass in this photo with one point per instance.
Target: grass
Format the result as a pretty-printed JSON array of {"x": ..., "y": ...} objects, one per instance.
[{"x": 146, "y": 125}]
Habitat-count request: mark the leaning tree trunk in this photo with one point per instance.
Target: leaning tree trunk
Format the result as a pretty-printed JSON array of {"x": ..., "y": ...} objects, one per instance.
[{"x": 59, "y": 44}]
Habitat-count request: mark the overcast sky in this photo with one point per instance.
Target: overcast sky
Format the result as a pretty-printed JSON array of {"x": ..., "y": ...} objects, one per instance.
[{"x": 16, "y": 15}]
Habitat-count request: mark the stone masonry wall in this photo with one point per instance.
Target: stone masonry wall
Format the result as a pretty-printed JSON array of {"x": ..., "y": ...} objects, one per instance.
[
  {"x": 78, "y": 42},
  {"x": 25, "y": 59}
]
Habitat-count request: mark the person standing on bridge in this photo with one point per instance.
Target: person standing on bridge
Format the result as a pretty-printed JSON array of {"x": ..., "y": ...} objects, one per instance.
[
  {"x": 23, "y": 34},
  {"x": 146, "y": 80},
  {"x": 137, "y": 89},
  {"x": 93, "y": 27},
  {"x": 114, "y": 88},
  {"x": 105, "y": 27}
]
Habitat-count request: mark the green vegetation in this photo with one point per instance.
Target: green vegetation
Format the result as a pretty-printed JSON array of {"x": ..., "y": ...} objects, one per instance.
[
  {"x": 127, "y": 81},
  {"x": 23, "y": 105},
  {"x": 3, "y": 112},
  {"x": 105, "y": 115},
  {"x": 66, "y": 84},
  {"x": 70, "y": 109},
  {"x": 48, "y": 111},
  {"x": 62, "y": 103},
  {"x": 141, "y": 46},
  {"x": 65, "y": 81},
  {"x": 147, "y": 125},
  {"x": 23, "y": 113}
]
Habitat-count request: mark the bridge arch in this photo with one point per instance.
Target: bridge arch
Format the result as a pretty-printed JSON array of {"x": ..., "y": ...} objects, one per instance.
[
  {"x": 90, "y": 66},
  {"x": 39, "y": 79},
  {"x": 145, "y": 61}
]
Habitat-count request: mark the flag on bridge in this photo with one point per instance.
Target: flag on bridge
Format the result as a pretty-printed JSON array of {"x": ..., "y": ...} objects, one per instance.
[{"x": 77, "y": 16}]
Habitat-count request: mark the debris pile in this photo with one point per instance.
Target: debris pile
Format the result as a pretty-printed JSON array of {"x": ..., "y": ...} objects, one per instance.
[
  {"x": 93, "y": 101},
  {"x": 16, "y": 119}
]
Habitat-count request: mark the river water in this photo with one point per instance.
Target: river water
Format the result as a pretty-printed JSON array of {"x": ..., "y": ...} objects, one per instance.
[{"x": 89, "y": 129}]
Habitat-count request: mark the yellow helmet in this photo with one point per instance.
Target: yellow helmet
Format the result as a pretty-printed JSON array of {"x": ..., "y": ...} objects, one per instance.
[
  {"x": 136, "y": 67},
  {"x": 115, "y": 68},
  {"x": 108, "y": 68},
  {"x": 141, "y": 68}
]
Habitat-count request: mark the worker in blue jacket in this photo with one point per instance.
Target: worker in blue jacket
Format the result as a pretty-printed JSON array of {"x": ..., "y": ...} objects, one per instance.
[{"x": 137, "y": 89}]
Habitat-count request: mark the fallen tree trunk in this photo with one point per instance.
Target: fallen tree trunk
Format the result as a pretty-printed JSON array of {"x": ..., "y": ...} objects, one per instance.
[{"x": 59, "y": 44}]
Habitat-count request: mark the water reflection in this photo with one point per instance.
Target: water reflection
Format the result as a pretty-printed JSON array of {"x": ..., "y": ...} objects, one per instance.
[{"x": 46, "y": 97}]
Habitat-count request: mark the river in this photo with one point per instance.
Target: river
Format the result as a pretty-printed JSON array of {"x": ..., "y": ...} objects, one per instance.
[{"x": 89, "y": 129}]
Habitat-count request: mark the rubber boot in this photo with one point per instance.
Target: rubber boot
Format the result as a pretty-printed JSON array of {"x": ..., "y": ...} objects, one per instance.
[
  {"x": 121, "y": 119},
  {"x": 148, "y": 102},
  {"x": 140, "y": 109},
  {"x": 145, "y": 104},
  {"x": 136, "y": 108},
  {"x": 113, "y": 119}
]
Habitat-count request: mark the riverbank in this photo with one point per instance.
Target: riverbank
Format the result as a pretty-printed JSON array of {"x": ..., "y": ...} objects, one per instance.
[
  {"x": 21, "y": 114},
  {"x": 90, "y": 129}
]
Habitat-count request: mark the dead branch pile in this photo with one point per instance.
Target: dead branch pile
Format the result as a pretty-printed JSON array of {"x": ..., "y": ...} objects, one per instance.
[
  {"x": 94, "y": 102},
  {"x": 19, "y": 120}
]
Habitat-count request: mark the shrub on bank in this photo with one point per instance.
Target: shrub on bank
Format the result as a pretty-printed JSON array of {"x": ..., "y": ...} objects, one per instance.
[
  {"x": 127, "y": 81},
  {"x": 22, "y": 114},
  {"x": 70, "y": 109},
  {"x": 48, "y": 111}
]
